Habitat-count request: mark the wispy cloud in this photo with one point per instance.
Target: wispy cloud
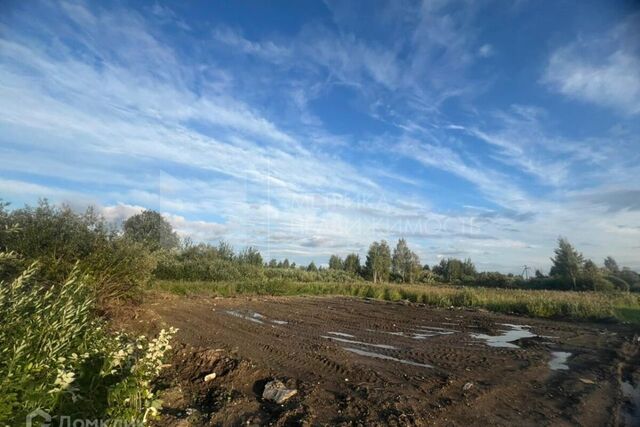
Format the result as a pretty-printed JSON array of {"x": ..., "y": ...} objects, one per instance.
[{"x": 602, "y": 70}]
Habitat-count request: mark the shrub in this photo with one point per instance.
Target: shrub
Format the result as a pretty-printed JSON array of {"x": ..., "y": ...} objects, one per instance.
[
  {"x": 58, "y": 238},
  {"x": 56, "y": 355},
  {"x": 120, "y": 269}
]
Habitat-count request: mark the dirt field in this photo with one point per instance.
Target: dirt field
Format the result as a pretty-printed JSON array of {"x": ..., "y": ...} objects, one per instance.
[{"x": 370, "y": 362}]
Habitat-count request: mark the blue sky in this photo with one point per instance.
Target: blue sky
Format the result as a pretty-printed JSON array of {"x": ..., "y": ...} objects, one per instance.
[{"x": 473, "y": 129}]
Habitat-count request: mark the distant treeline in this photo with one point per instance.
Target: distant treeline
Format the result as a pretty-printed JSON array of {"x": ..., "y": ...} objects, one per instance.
[{"x": 146, "y": 246}]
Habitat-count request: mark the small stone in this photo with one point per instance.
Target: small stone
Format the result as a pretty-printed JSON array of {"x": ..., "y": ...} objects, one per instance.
[
  {"x": 467, "y": 386},
  {"x": 277, "y": 392},
  {"x": 211, "y": 376},
  {"x": 587, "y": 381}
]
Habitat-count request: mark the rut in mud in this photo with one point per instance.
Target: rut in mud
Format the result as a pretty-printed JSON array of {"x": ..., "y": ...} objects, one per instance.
[{"x": 378, "y": 362}]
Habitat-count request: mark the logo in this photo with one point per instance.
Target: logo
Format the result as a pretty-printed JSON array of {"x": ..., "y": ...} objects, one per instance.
[{"x": 33, "y": 416}]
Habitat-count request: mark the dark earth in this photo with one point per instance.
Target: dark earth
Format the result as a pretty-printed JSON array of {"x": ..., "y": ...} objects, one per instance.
[{"x": 364, "y": 362}]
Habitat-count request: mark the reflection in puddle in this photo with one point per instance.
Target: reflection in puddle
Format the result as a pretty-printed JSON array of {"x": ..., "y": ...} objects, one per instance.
[
  {"x": 384, "y": 346},
  {"x": 505, "y": 340},
  {"x": 631, "y": 409},
  {"x": 558, "y": 360},
  {"x": 385, "y": 357},
  {"x": 342, "y": 334}
]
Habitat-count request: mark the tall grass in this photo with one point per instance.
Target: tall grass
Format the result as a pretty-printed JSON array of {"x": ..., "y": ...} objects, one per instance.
[{"x": 545, "y": 304}]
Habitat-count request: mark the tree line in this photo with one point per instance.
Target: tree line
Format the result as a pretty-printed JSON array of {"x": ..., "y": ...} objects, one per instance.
[{"x": 146, "y": 246}]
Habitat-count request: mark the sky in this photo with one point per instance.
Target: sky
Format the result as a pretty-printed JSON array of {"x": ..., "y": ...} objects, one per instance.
[{"x": 472, "y": 129}]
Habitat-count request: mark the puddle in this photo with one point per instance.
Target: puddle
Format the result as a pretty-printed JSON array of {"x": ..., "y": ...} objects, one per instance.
[
  {"x": 558, "y": 361},
  {"x": 385, "y": 357},
  {"x": 505, "y": 340},
  {"x": 342, "y": 334},
  {"x": 252, "y": 316},
  {"x": 420, "y": 334},
  {"x": 344, "y": 340},
  {"x": 630, "y": 410}
]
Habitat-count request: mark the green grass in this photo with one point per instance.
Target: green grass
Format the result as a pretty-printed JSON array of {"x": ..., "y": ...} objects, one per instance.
[{"x": 545, "y": 304}]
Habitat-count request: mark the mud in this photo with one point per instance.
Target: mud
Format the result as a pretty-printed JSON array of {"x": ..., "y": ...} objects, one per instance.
[{"x": 361, "y": 362}]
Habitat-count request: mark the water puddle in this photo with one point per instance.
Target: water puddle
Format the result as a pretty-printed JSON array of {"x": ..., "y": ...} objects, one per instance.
[
  {"x": 505, "y": 340},
  {"x": 255, "y": 317},
  {"x": 342, "y": 334},
  {"x": 251, "y": 318},
  {"x": 385, "y": 357},
  {"x": 344, "y": 340},
  {"x": 630, "y": 410},
  {"x": 421, "y": 332},
  {"x": 558, "y": 361}
]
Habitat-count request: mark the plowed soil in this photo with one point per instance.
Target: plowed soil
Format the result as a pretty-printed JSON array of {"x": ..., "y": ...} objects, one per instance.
[{"x": 362, "y": 362}]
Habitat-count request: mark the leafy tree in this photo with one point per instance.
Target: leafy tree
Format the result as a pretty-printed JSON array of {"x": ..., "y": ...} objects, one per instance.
[
  {"x": 352, "y": 264},
  {"x": 251, "y": 256},
  {"x": 454, "y": 270},
  {"x": 378, "y": 264},
  {"x": 336, "y": 263},
  {"x": 405, "y": 263},
  {"x": 225, "y": 251},
  {"x": 273, "y": 263},
  {"x": 567, "y": 262},
  {"x": 152, "y": 230},
  {"x": 312, "y": 267},
  {"x": 611, "y": 265}
]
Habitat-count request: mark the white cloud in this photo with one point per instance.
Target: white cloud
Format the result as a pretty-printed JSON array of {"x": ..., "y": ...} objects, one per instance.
[{"x": 604, "y": 71}]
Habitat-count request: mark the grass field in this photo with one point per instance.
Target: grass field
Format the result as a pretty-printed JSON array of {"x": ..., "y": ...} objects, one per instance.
[{"x": 545, "y": 304}]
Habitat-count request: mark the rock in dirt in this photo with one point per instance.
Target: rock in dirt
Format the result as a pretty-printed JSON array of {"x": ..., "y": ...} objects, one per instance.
[
  {"x": 467, "y": 386},
  {"x": 587, "y": 381},
  {"x": 211, "y": 376},
  {"x": 277, "y": 392}
]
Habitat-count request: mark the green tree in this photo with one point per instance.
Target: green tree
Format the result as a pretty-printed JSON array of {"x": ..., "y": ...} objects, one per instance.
[
  {"x": 405, "y": 263},
  {"x": 250, "y": 255},
  {"x": 273, "y": 263},
  {"x": 336, "y": 263},
  {"x": 152, "y": 230},
  {"x": 611, "y": 265},
  {"x": 352, "y": 264},
  {"x": 378, "y": 264},
  {"x": 312, "y": 267},
  {"x": 225, "y": 251},
  {"x": 567, "y": 262}
]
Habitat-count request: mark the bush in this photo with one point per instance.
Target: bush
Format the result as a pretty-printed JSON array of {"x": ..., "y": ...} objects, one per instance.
[
  {"x": 56, "y": 355},
  {"x": 59, "y": 238},
  {"x": 120, "y": 269}
]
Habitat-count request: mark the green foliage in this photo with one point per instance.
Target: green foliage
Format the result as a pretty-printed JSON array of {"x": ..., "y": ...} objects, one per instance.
[
  {"x": 378, "y": 264},
  {"x": 405, "y": 263},
  {"x": 152, "y": 230},
  {"x": 352, "y": 264},
  {"x": 537, "y": 303},
  {"x": 58, "y": 238},
  {"x": 56, "y": 355},
  {"x": 312, "y": 267},
  {"x": 251, "y": 256},
  {"x": 336, "y": 263},
  {"x": 453, "y": 270},
  {"x": 120, "y": 270},
  {"x": 55, "y": 236},
  {"x": 567, "y": 262}
]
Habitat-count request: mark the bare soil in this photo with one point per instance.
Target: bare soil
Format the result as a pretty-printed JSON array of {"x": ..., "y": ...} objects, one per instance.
[{"x": 362, "y": 362}]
